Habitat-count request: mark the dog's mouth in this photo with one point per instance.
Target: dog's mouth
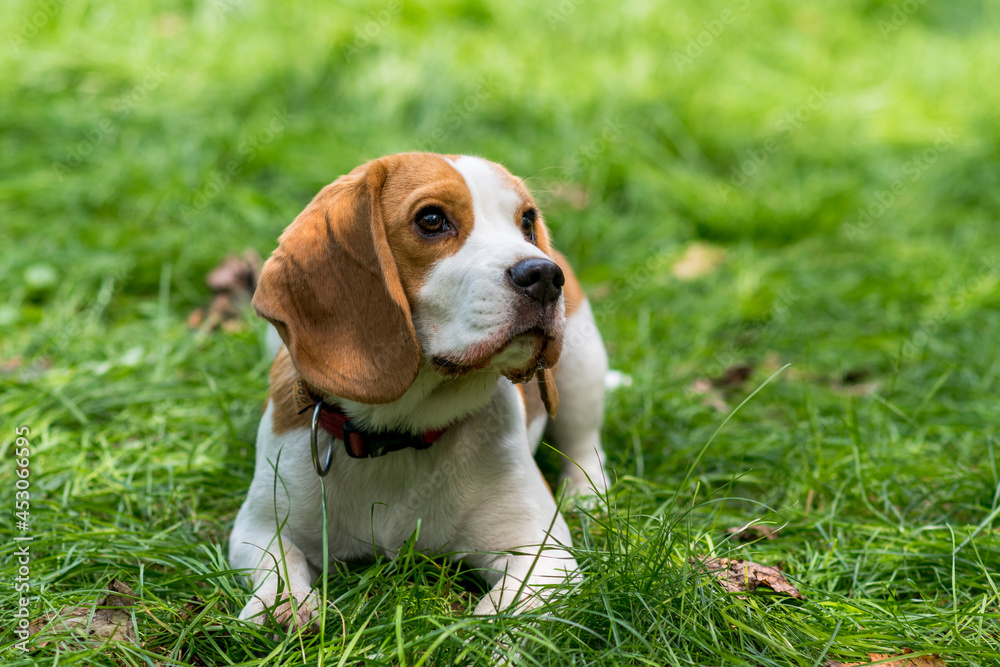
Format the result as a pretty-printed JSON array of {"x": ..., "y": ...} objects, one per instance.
[{"x": 516, "y": 355}]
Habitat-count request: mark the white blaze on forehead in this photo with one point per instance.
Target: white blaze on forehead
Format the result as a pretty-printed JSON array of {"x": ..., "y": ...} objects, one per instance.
[
  {"x": 494, "y": 201},
  {"x": 495, "y": 204}
]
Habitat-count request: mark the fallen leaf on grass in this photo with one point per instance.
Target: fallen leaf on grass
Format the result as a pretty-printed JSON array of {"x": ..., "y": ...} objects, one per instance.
[
  {"x": 108, "y": 620},
  {"x": 711, "y": 396},
  {"x": 743, "y": 576},
  {"x": 855, "y": 382},
  {"x": 712, "y": 388},
  {"x": 236, "y": 274},
  {"x": 774, "y": 362},
  {"x": 749, "y": 532},
  {"x": 855, "y": 376},
  {"x": 863, "y": 389},
  {"x": 698, "y": 260},
  {"x": 16, "y": 366},
  {"x": 932, "y": 660},
  {"x": 11, "y": 365},
  {"x": 733, "y": 377},
  {"x": 233, "y": 283}
]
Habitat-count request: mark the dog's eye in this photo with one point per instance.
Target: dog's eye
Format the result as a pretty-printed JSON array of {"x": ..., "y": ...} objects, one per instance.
[
  {"x": 528, "y": 224},
  {"x": 432, "y": 221}
]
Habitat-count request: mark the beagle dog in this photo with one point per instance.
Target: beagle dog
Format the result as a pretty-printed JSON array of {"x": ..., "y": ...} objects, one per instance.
[{"x": 429, "y": 332}]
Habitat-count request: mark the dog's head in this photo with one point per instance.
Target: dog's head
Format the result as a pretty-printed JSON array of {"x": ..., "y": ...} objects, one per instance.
[{"x": 415, "y": 259}]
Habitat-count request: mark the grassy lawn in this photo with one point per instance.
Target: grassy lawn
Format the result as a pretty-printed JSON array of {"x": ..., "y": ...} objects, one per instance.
[{"x": 838, "y": 163}]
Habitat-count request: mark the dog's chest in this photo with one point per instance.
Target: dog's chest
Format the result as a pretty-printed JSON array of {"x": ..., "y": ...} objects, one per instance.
[{"x": 375, "y": 505}]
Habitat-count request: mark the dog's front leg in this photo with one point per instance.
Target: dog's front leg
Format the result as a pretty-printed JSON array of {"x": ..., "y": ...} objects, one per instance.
[
  {"x": 523, "y": 577},
  {"x": 280, "y": 577},
  {"x": 276, "y": 509}
]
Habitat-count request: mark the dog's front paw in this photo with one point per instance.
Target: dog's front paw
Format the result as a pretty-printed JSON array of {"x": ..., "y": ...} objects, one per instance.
[{"x": 300, "y": 610}]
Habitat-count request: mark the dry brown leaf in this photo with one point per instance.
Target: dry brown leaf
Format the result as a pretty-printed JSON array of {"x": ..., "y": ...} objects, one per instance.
[
  {"x": 16, "y": 366},
  {"x": 744, "y": 576},
  {"x": 11, "y": 365},
  {"x": 108, "y": 620},
  {"x": 698, "y": 260},
  {"x": 711, "y": 396},
  {"x": 734, "y": 376},
  {"x": 712, "y": 388},
  {"x": 862, "y": 389},
  {"x": 856, "y": 375},
  {"x": 233, "y": 283},
  {"x": 932, "y": 660},
  {"x": 236, "y": 274},
  {"x": 748, "y": 533}
]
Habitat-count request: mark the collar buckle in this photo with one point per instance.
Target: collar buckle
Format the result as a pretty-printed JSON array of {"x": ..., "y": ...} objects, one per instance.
[{"x": 353, "y": 442}]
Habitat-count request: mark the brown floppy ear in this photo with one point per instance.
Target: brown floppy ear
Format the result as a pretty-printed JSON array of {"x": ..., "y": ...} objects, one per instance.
[
  {"x": 332, "y": 291},
  {"x": 550, "y": 393}
]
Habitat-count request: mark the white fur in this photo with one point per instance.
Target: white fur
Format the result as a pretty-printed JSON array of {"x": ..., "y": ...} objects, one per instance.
[
  {"x": 476, "y": 493},
  {"x": 576, "y": 430},
  {"x": 580, "y": 379}
]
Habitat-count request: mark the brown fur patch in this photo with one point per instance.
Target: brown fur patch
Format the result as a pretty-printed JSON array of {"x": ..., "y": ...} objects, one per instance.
[
  {"x": 532, "y": 399},
  {"x": 572, "y": 291},
  {"x": 415, "y": 181},
  {"x": 548, "y": 390}
]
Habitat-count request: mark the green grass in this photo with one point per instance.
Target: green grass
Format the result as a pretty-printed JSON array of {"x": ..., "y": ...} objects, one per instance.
[{"x": 140, "y": 144}]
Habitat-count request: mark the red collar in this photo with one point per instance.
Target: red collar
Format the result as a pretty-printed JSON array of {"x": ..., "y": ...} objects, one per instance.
[{"x": 359, "y": 443}]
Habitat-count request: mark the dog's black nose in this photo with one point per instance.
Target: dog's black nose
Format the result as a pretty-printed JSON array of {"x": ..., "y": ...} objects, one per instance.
[{"x": 538, "y": 278}]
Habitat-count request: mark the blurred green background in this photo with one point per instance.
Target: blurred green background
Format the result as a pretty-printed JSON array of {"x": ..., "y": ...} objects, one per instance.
[
  {"x": 145, "y": 133},
  {"x": 739, "y": 183}
]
